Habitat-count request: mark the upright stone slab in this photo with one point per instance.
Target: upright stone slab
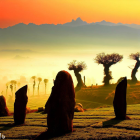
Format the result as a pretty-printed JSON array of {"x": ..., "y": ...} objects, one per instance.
[
  {"x": 119, "y": 102},
  {"x": 60, "y": 105},
  {"x": 21, "y": 100},
  {"x": 3, "y": 108}
]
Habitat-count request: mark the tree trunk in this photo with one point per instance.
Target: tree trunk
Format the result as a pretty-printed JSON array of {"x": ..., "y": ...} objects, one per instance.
[
  {"x": 107, "y": 74},
  {"x": 84, "y": 80},
  {"x": 38, "y": 89},
  {"x": 133, "y": 73},
  {"x": 45, "y": 88},
  {"x": 33, "y": 88},
  {"x": 79, "y": 79}
]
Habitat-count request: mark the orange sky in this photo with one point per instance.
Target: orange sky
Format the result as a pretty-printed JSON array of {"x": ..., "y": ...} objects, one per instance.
[{"x": 61, "y": 11}]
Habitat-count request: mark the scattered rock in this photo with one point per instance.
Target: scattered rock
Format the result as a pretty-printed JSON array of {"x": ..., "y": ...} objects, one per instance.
[
  {"x": 119, "y": 102},
  {"x": 4, "y": 111},
  {"x": 21, "y": 100},
  {"x": 28, "y": 110},
  {"x": 78, "y": 108},
  {"x": 79, "y": 104},
  {"x": 60, "y": 105}
]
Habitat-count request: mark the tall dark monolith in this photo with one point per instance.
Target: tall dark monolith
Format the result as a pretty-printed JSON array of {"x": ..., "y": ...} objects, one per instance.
[
  {"x": 3, "y": 108},
  {"x": 21, "y": 100},
  {"x": 60, "y": 105},
  {"x": 119, "y": 102}
]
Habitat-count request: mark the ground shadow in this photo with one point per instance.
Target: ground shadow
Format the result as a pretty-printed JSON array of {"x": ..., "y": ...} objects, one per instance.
[
  {"x": 111, "y": 122},
  {"x": 46, "y": 135},
  {"x": 9, "y": 126}
]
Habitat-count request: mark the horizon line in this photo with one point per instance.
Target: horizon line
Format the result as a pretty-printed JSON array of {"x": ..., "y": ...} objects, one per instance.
[{"x": 69, "y": 22}]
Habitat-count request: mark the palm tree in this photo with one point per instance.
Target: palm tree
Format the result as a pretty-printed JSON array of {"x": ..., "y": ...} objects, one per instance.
[
  {"x": 39, "y": 80},
  {"x": 14, "y": 83},
  {"x": 136, "y": 57},
  {"x": 11, "y": 87},
  {"x": 77, "y": 67},
  {"x": 7, "y": 88},
  {"x": 107, "y": 61},
  {"x": 45, "y": 82},
  {"x": 33, "y": 77}
]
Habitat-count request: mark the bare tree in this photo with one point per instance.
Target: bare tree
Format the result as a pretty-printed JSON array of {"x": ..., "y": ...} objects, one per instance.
[
  {"x": 135, "y": 56},
  {"x": 33, "y": 77},
  {"x": 77, "y": 67},
  {"x": 107, "y": 60},
  {"x": 45, "y": 82},
  {"x": 39, "y": 80}
]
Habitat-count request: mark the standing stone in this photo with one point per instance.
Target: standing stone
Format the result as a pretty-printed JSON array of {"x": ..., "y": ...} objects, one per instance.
[
  {"x": 60, "y": 105},
  {"x": 21, "y": 100},
  {"x": 119, "y": 102},
  {"x": 3, "y": 108}
]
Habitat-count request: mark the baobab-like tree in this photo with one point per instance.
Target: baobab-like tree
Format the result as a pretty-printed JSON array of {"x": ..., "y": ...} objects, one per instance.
[
  {"x": 78, "y": 67},
  {"x": 107, "y": 60},
  {"x": 33, "y": 77},
  {"x": 135, "y": 56},
  {"x": 39, "y": 80},
  {"x": 45, "y": 82}
]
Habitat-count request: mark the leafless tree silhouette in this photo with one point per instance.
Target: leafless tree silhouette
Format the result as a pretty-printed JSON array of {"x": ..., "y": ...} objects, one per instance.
[
  {"x": 77, "y": 67},
  {"x": 107, "y": 60},
  {"x": 135, "y": 56}
]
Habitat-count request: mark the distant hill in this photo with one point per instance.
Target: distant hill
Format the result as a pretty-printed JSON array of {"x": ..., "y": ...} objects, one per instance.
[
  {"x": 96, "y": 96},
  {"x": 76, "y": 32}
]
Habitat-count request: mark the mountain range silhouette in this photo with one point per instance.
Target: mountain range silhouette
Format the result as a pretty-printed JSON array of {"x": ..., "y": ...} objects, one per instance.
[{"x": 77, "y": 32}]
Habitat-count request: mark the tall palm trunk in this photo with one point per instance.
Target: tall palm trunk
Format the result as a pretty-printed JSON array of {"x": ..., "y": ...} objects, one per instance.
[
  {"x": 45, "y": 88},
  {"x": 38, "y": 87},
  {"x": 33, "y": 87},
  {"x": 11, "y": 86}
]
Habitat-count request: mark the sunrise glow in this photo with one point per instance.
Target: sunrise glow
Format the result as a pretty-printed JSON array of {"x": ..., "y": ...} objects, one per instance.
[{"x": 62, "y": 11}]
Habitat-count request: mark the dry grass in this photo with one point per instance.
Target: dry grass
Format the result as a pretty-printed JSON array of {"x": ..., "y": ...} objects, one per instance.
[
  {"x": 102, "y": 95},
  {"x": 94, "y": 124}
]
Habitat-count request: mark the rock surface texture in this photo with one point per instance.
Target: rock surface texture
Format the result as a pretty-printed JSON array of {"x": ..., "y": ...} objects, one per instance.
[
  {"x": 119, "y": 102},
  {"x": 21, "y": 100}
]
